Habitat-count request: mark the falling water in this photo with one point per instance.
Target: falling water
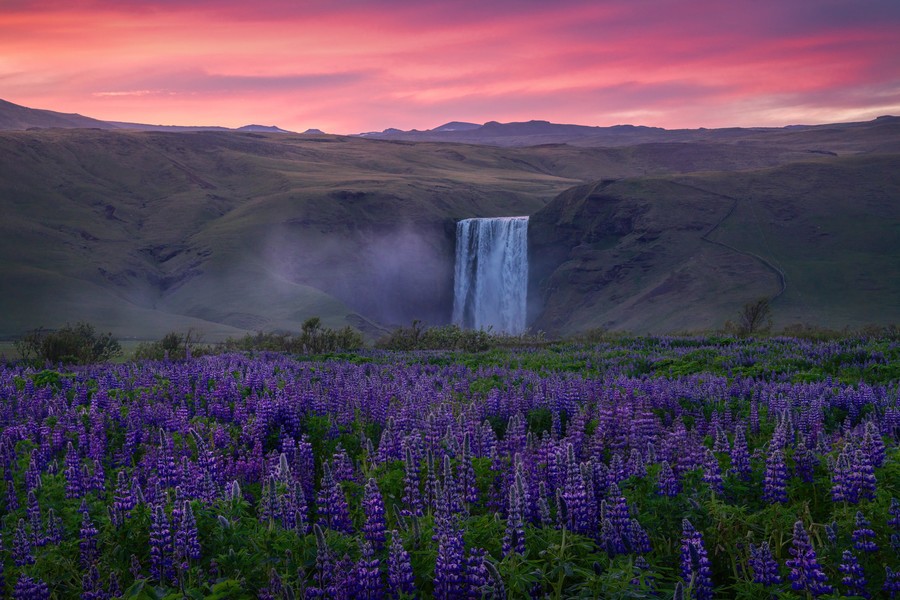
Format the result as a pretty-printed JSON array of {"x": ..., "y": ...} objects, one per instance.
[{"x": 491, "y": 274}]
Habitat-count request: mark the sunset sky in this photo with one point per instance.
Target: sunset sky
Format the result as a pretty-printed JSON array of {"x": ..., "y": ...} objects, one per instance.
[{"x": 348, "y": 66}]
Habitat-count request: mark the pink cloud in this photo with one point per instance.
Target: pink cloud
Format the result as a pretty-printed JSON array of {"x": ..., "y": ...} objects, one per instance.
[{"x": 350, "y": 65}]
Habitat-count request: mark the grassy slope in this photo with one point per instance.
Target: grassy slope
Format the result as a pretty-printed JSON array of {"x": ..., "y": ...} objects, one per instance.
[
  {"x": 685, "y": 253},
  {"x": 227, "y": 232},
  {"x": 143, "y": 233}
]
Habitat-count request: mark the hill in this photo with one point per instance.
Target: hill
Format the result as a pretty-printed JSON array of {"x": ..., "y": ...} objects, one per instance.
[
  {"x": 143, "y": 232},
  {"x": 685, "y": 253},
  {"x": 15, "y": 117}
]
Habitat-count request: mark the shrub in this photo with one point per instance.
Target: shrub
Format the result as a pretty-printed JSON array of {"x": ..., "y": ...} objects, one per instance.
[
  {"x": 173, "y": 345},
  {"x": 73, "y": 344},
  {"x": 755, "y": 318},
  {"x": 313, "y": 339},
  {"x": 447, "y": 337}
]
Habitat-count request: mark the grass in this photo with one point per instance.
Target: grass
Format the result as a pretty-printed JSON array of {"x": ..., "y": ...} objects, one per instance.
[{"x": 225, "y": 233}]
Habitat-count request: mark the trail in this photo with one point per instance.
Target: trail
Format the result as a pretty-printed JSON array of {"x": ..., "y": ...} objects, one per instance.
[{"x": 782, "y": 278}]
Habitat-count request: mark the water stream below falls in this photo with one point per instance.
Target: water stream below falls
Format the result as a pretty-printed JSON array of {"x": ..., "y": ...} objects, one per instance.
[{"x": 491, "y": 277}]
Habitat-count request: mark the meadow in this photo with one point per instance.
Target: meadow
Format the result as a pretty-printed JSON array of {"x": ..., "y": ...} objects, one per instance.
[{"x": 645, "y": 467}]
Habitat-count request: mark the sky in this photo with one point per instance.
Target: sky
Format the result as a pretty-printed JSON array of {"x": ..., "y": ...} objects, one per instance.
[{"x": 351, "y": 66}]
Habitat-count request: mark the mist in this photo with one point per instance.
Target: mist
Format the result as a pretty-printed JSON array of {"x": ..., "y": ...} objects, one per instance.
[{"x": 390, "y": 275}]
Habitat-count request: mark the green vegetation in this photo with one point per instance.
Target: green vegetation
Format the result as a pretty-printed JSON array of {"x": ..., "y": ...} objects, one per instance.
[
  {"x": 231, "y": 233},
  {"x": 72, "y": 344}
]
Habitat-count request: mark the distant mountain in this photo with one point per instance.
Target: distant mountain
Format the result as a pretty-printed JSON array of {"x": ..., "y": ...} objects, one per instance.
[
  {"x": 455, "y": 126},
  {"x": 534, "y": 133},
  {"x": 178, "y": 128},
  {"x": 15, "y": 117}
]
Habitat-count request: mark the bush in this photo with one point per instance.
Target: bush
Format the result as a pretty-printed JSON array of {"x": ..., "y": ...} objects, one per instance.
[
  {"x": 73, "y": 344},
  {"x": 447, "y": 337},
  {"x": 755, "y": 318},
  {"x": 173, "y": 346},
  {"x": 313, "y": 339}
]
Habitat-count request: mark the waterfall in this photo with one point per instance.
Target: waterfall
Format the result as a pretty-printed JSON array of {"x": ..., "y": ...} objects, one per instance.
[{"x": 491, "y": 281}]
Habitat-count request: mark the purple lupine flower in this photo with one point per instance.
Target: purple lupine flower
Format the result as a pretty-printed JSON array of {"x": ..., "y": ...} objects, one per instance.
[
  {"x": 12, "y": 499},
  {"x": 641, "y": 570},
  {"x": 449, "y": 580},
  {"x": 91, "y": 589},
  {"x": 863, "y": 475},
  {"x": 863, "y": 535},
  {"x": 123, "y": 500},
  {"x": 894, "y": 511},
  {"x": 891, "y": 582},
  {"x": 22, "y": 554},
  {"x": 775, "y": 480},
  {"x": 721, "y": 442},
  {"x": 113, "y": 588},
  {"x": 637, "y": 536},
  {"x": 575, "y": 495},
  {"x": 373, "y": 507},
  {"x": 325, "y": 568},
  {"x": 514, "y": 537},
  {"x": 765, "y": 567},
  {"x": 740, "y": 456},
  {"x": 831, "y": 532},
  {"x": 841, "y": 487},
  {"x": 187, "y": 540},
  {"x": 667, "y": 483},
  {"x": 161, "y": 568},
  {"x": 432, "y": 484},
  {"x": 695, "y": 569},
  {"x": 412, "y": 499},
  {"x": 74, "y": 483},
  {"x": 400, "y": 574},
  {"x": 805, "y": 461},
  {"x": 636, "y": 466},
  {"x": 274, "y": 590},
  {"x": 367, "y": 574},
  {"x": 341, "y": 466},
  {"x": 873, "y": 445},
  {"x": 33, "y": 511},
  {"x": 615, "y": 521},
  {"x": 54, "y": 527},
  {"x": 806, "y": 574},
  {"x": 98, "y": 477},
  {"x": 136, "y": 570},
  {"x": 87, "y": 541},
  {"x": 712, "y": 474},
  {"x": 30, "y": 589},
  {"x": 854, "y": 578},
  {"x": 332, "y": 504},
  {"x": 477, "y": 579},
  {"x": 466, "y": 473}
]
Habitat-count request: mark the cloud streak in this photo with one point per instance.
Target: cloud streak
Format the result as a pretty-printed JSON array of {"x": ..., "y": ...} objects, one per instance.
[{"x": 353, "y": 65}]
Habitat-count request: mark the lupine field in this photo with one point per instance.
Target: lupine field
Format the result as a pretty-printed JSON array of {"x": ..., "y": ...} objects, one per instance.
[{"x": 642, "y": 468}]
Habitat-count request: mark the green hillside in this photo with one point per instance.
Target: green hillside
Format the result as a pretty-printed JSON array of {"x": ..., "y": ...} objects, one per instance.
[
  {"x": 226, "y": 232},
  {"x": 822, "y": 239}
]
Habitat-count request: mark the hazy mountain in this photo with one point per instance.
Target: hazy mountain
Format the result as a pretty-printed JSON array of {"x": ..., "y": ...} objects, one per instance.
[
  {"x": 14, "y": 117},
  {"x": 143, "y": 232},
  {"x": 532, "y": 133}
]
